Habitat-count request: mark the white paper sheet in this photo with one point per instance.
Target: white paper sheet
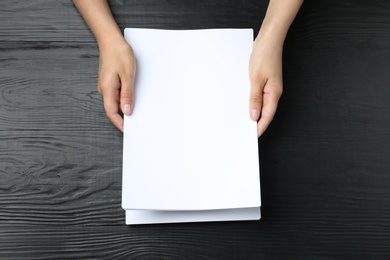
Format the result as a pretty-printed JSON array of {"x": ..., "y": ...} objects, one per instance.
[
  {"x": 158, "y": 216},
  {"x": 189, "y": 144}
]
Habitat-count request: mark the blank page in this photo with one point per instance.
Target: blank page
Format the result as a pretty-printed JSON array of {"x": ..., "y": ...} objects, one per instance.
[
  {"x": 189, "y": 143},
  {"x": 170, "y": 216}
]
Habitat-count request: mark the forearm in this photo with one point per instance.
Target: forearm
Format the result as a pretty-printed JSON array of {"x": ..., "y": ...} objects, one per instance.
[
  {"x": 98, "y": 16},
  {"x": 280, "y": 14}
]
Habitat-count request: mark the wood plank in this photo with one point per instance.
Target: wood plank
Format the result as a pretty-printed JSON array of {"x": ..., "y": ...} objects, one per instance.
[
  {"x": 41, "y": 21},
  {"x": 58, "y": 21},
  {"x": 269, "y": 240}
]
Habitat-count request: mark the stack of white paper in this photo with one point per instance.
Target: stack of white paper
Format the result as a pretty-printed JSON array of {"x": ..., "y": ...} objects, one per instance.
[{"x": 190, "y": 149}]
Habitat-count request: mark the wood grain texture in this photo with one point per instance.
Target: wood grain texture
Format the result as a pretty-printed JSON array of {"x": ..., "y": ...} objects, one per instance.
[{"x": 325, "y": 160}]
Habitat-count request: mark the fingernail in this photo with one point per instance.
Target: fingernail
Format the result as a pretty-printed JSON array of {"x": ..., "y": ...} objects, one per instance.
[
  {"x": 126, "y": 109},
  {"x": 255, "y": 114}
]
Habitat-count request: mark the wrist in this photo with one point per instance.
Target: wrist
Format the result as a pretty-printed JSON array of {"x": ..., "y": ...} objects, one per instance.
[
  {"x": 280, "y": 14},
  {"x": 108, "y": 42},
  {"x": 270, "y": 42},
  {"x": 272, "y": 33}
]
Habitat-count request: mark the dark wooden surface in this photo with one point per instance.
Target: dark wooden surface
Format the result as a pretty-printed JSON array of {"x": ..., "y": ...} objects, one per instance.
[{"x": 325, "y": 160}]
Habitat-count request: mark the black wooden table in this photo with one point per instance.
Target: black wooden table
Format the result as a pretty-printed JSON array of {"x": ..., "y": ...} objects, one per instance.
[{"x": 325, "y": 160}]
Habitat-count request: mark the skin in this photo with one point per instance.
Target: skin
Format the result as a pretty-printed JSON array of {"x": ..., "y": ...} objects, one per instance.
[
  {"x": 265, "y": 65},
  {"x": 117, "y": 63}
]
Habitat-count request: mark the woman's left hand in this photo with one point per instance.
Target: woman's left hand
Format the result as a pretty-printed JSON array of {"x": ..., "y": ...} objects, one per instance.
[{"x": 265, "y": 73}]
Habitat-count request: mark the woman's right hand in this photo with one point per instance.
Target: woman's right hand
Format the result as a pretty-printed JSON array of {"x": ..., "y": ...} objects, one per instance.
[
  {"x": 116, "y": 79},
  {"x": 117, "y": 63}
]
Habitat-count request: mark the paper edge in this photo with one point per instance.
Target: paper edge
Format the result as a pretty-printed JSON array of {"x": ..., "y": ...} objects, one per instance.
[{"x": 141, "y": 217}]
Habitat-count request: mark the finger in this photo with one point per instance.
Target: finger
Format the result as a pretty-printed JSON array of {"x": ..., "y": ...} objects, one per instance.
[
  {"x": 270, "y": 104},
  {"x": 256, "y": 97},
  {"x": 127, "y": 93},
  {"x": 111, "y": 106}
]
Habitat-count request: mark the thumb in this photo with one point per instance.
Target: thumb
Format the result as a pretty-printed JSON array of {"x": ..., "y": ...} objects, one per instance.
[
  {"x": 256, "y": 98},
  {"x": 127, "y": 95}
]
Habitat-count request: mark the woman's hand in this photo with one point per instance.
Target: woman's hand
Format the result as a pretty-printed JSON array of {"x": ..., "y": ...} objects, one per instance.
[
  {"x": 265, "y": 66},
  {"x": 116, "y": 79},
  {"x": 265, "y": 73},
  {"x": 116, "y": 65}
]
